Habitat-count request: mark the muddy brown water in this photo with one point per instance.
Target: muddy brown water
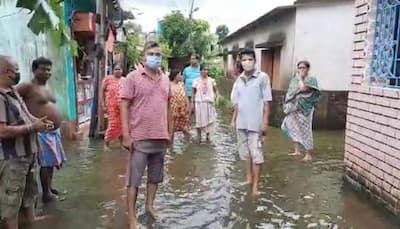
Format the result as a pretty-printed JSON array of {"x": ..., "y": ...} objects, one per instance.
[{"x": 202, "y": 189}]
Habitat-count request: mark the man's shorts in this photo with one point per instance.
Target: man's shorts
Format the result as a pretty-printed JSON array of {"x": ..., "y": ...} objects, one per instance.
[
  {"x": 138, "y": 163},
  {"x": 18, "y": 187},
  {"x": 250, "y": 146}
]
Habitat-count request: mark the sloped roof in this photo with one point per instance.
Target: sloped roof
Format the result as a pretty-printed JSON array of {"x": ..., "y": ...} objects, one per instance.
[
  {"x": 274, "y": 12},
  {"x": 258, "y": 22}
]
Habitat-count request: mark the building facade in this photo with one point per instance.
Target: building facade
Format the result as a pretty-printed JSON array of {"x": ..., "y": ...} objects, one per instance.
[
  {"x": 372, "y": 150},
  {"x": 288, "y": 34}
]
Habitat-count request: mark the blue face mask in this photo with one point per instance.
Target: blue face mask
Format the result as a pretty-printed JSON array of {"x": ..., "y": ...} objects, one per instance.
[{"x": 153, "y": 62}]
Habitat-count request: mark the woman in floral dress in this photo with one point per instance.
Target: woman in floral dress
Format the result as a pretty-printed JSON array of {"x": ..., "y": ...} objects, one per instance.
[
  {"x": 179, "y": 106},
  {"x": 110, "y": 91}
]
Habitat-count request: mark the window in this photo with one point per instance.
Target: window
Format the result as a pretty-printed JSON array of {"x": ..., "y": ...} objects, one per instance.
[{"x": 385, "y": 65}]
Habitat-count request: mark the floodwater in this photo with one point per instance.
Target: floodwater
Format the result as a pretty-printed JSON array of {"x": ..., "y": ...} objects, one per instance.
[{"x": 202, "y": 189}]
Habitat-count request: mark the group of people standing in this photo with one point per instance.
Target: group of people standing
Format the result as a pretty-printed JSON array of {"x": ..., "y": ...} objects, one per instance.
[
  {"x": 193, "y": 95},
  {"x": 152, "y": 107},
  {"x": 29, "y": 134},
  {"x": 144, "y": 110}
]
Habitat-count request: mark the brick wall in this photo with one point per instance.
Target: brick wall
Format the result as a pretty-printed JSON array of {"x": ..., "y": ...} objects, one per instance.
[{"x": 372, "y": 149}]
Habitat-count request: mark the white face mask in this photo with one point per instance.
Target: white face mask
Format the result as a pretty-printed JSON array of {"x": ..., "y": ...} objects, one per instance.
[{"x": 248, "y": 65}]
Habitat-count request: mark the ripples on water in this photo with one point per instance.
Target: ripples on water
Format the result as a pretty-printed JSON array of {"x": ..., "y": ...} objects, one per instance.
[{"x": 202, "y": 189}]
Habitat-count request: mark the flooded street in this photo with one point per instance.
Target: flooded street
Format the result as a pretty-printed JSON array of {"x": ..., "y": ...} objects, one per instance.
[{"x": 202, "y": 189}]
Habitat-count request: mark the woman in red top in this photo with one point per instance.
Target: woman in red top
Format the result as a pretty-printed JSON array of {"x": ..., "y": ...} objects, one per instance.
[{"x": 110, "y": 90}]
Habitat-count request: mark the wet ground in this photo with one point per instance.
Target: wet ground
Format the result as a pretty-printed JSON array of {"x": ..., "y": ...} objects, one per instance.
[{"x": 202, "y": 189}]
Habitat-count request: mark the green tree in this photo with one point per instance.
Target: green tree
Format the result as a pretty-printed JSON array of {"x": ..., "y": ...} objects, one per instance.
[
  {"x": 130, "y": 48},
  {"x": 222, "y": 31},
  {"x": 185, "y": 36},
  {"x": 175, "y": 31},
  {"x": 47, "y": 17},
  {"x": 166, "y": 52}
]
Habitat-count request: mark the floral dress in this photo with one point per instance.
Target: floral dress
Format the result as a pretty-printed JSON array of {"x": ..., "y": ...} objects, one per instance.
[
  {"x": 179, "y": 108},
  {"x": 111, "y": 91}
]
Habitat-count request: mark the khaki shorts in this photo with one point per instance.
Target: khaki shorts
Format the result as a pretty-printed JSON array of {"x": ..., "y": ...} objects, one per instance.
[
  {"x": 18, "y": 187},
  {"x": 250, "y": 146}
]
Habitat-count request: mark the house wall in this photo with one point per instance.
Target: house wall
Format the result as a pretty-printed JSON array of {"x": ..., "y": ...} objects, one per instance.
[
  {"x": 324, "y": 37},
  {"x": 310, "y": 34},
  {"x": 372, "y": 144},
  {"x": 282, "y": 24},
  {"x": 24, "y": 46}
]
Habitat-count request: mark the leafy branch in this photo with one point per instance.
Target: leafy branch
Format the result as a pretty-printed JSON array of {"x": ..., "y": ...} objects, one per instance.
[{"x": 47, "y": 17}]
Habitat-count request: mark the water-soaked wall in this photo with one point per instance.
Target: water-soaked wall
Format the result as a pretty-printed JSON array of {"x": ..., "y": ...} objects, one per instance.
[{"x": 19, "y": 42}]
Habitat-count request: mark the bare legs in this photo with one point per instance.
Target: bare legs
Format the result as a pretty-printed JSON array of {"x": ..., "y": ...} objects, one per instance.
[
  {"x": 249, "y": 172},
  {"x": 12, "y": 222},
  {"x": 46, "y": 178},
  {"x": 253, "y": 176},
  {"x": 131, "y": 202},
  {"x": 151, "y": 195},
  {"x": 198, "y": 135},
  {"x": 307, "y": 157},
  {"x": 297, "y": 152},
  {"x": 28, "y": 215}
]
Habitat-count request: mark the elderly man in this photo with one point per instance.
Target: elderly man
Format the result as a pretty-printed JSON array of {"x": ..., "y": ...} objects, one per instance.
[{"x": 18, "y": 148}]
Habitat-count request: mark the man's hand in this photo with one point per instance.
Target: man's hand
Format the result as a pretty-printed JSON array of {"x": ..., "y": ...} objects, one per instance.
[
  {"x": 127, "y": 143},
  {"x": 40, "y": 124}
]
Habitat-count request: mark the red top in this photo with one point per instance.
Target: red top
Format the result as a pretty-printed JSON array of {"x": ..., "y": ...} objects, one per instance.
[{"x": 148, "y": 109}]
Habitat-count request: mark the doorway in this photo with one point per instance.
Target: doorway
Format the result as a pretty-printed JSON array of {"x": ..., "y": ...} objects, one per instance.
[{"x": 270, "y": 63}]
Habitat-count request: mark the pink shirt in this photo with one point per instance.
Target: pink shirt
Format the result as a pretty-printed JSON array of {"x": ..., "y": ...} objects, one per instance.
[{"x": 148, "y": 109}]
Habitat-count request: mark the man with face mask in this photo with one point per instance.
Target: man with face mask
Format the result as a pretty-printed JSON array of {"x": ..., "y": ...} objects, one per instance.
[
  {"x": 40, "y": 103},
  {"x": 18, "y": 148},
  {"x": 250, "y": 96},
  {"x": 146, "y": 127}
]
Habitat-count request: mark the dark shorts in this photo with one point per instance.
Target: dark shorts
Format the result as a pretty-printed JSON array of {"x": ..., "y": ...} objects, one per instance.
[{"x": 141, "y": 158}]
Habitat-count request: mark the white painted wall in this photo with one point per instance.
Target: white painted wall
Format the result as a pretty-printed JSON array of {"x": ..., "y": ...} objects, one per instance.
[
  {"x": 324, "y": 36},
  {"x": 283, "y": 23}
]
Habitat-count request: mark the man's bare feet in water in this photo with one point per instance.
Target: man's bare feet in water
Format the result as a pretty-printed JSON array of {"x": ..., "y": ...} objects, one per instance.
[
  {"x": 307, "y": 158},
  {"x": 57, "y": 192},
  {"x": 24, "y": 219},
  {"x": 133, "y": 224},
  {"x": 296, "y": 153},
  {"x": 151, "y": 212},
  {"x": 47, "y": 198},
  {"x": 255, "y": 192}
]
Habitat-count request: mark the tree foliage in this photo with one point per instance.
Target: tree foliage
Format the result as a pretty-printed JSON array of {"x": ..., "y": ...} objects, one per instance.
[
  {"x": 222, "y": 31},
  {"x": 130, "y": 46},
  {"x": 47, "y": 17},
  {"x": 185, "y": 36}
]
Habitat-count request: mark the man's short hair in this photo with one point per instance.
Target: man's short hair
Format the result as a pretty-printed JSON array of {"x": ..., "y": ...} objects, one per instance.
[
  {"x": 197, "y": 56},
  {"x": 247, "y": 51},
  {"x": 151, "y": 44},
  {"x": 40, "y": 61}
]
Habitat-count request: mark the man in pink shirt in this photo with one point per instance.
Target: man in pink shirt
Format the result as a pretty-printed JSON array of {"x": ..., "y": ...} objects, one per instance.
[{"x": 146, "y": 131}]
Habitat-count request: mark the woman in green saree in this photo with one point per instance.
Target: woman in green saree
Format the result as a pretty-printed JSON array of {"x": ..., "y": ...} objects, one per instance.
[{"x": 302, "y": 96}]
